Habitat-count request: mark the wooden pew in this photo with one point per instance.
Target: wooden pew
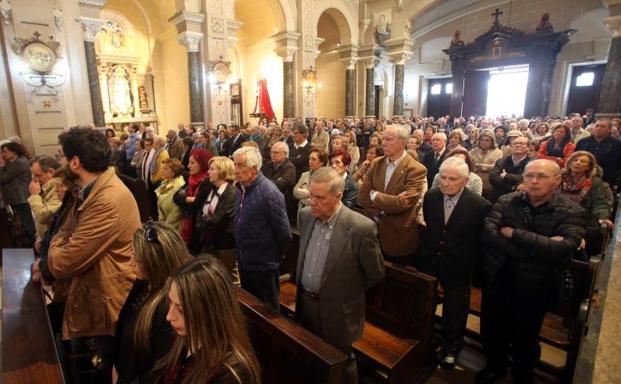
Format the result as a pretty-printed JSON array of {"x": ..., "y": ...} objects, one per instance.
[
  {"x": 287, "y": 352},
  {"x": 28, "y": 350},
  {"x": 564, "y": 326},
  {"x": 398, "y": 328}
]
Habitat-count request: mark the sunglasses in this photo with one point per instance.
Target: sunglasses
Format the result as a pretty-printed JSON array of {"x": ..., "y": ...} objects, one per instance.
[{"x": 150, "y": 232}]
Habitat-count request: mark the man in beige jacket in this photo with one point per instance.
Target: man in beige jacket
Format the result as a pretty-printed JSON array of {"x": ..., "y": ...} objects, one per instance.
[
  {"x": 92, "y": 248},
  {"x": 43, "y": 199}
]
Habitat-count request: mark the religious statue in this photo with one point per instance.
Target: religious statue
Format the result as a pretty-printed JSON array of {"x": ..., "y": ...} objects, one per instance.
[
  {"x": 120, "y": 99},
  {"x": 457, "y": 41},
  {"x": 544, "y": 24}
]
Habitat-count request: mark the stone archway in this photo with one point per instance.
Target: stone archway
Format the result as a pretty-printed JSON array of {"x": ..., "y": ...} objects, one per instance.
[
  {"x": 254, "y": 56},
  {"x": 333, "y": 27}
]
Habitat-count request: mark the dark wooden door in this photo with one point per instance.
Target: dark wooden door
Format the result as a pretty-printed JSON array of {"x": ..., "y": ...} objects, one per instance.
[
  {"x": 439, "y": 97},
  {"x": 586, "y": 83},
  {"x": 475, "y": 93}
]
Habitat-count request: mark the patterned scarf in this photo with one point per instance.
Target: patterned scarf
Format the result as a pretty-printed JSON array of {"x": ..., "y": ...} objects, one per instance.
[{"x": 576, "y": 190}]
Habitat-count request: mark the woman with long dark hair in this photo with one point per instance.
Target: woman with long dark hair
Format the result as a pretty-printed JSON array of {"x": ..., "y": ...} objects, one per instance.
[
  {"x": 558, "y": 147},
  {"x": 143, "y": 335},
  {"x": 212, "y": 344}
]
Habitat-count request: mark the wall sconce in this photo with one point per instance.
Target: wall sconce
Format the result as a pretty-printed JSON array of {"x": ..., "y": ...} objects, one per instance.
[{"x": 309, "y": 80}]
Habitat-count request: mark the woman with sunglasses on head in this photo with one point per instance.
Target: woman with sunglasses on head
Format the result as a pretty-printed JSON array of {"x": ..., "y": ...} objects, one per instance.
[
  {"x": 212, "y": 344},
  {"x": 143, "y": 335}
]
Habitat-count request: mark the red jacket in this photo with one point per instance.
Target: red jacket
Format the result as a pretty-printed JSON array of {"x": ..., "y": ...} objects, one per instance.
[{"x": 567, "y": 151}]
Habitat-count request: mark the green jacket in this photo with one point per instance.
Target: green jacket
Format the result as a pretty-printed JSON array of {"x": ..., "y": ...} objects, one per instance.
[{"x": 168, "y": 211}]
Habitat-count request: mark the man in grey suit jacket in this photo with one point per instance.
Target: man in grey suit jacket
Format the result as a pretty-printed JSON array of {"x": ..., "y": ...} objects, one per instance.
[{"x": 339, "y": 259}]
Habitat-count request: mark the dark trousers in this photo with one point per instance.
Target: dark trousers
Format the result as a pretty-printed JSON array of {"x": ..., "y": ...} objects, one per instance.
[
  {"x": 513, "y": 312},
  {"x": 310, "y": 318},
  {"x": 89, "y": 360},
  {"x": 24, "y": 213},
  {"x": 265, "y": 285},
  {"x": 455, "y": 310}
]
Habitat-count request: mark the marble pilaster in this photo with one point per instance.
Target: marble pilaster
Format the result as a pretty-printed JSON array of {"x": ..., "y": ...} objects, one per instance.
[
  {"x": 610, "y": 94},
  {"x": 397, "y": 109},
  {"x": 91, "y": 26},
  {"x": 288, "y": 70},
  {"x": 191, "y": 41},
  {"x": 195, "y": 76},
  {"x": 286, "y": 48},
  {"x": 350, "y": 92},
  {"x": 369, "y": 102}
]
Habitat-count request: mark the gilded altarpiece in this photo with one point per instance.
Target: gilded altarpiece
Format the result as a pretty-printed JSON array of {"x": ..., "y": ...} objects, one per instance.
[{"x": 127, "y": 96}]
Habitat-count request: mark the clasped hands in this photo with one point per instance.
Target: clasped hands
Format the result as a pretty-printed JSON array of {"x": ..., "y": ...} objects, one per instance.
[{"x": 508, "y": 232}]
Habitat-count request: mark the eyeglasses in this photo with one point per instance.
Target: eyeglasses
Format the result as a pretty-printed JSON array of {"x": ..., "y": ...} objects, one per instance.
[
  {"x": 150, "y": 232},
  {"x": 532, "y": 176}
]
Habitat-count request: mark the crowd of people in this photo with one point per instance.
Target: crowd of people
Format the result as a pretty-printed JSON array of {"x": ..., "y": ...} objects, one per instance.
[{"x": 503, "y": 202}]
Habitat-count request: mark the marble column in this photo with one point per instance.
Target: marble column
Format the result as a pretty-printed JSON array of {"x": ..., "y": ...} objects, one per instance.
[
  {"x": 369, "y": 109},
  {"x": 288, "y": 70},
  {"x": 91, "y": 26},
  {"x": 610, "y": 94},
  {"x": 397, "y": 109},
  {"x": 350, "y": 92},
  {"x": 191, "y": 41}
]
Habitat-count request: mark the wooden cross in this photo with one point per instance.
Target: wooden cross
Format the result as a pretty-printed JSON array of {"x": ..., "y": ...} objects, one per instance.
[{"x": 496, "y": 14}]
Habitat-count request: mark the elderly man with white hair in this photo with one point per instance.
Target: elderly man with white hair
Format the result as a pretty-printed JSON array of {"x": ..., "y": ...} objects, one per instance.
[
  {"x": 281, "y": 171},
  {"x": 451, "y": 244},
  {"x": 436, "y": 156},
  {"x": 262, "y": 231},
  {"x": 390, "y": 193}
]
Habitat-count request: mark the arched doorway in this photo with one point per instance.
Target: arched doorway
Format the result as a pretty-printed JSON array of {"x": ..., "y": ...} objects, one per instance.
[
  {"x": 253, "y": 57},
  {"x": 333, "y": 28}
]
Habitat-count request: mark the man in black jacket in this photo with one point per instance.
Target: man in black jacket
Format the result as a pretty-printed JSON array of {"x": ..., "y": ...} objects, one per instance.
[
  {"x": 606, "y": 149},
  {"x": 507, "y": 173},
  {"x": 451, "y": 242},
  {"x": 299, "y": 150},
  {"x": 531, "y": 237},
  {"x": 281, "y": 171},
  {"x": 234, "y": 142},
  {"x": 436, "y": 156}
]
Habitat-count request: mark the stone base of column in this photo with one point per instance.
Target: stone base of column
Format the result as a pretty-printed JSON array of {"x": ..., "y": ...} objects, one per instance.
[
  {"x": 370, "y": 117},
  {"x": 349, "y": 117},
  {"x": 397, "y": 116}
]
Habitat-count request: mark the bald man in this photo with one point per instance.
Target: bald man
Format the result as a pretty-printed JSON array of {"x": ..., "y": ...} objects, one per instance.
[{"x": 531, "y": 235}]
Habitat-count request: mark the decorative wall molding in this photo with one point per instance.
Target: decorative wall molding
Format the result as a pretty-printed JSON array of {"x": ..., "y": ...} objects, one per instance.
[{"x": 6, "y": 11}]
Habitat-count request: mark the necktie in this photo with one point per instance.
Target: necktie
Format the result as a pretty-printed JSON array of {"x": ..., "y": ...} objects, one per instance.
[
  {"x": 436, "y": 156},
  {"x": 450, "y": 204}
]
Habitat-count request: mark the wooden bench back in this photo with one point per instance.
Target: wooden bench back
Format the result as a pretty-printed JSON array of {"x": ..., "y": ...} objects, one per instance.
[
  {"x": 28, "y": 350},
  {"x": 583, "y": 279},
  {"x": 287, "y": 352},
  {"x": 403, "y": 302}
]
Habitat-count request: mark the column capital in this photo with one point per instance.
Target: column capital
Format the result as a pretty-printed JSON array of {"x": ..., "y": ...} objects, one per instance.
[
  {"x": 91, "y": 26},
  {"x": 286, "y": 44},
  {"x": 350, "y": 62},
  {"x": 190, "y": 40},
  {"x": 93, "y": 3},
  {"x": 399, "y": 58},
  {"x": 614, "y": 25},
  {"x": 371, "y": 62}
]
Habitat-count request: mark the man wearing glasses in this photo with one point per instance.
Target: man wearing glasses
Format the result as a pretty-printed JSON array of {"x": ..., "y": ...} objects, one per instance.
[
  {"x": 281, "y": 171},
  {"x": 91, "y": 251},
  {"x": 506, "y": 176},
  {"x": 531, "y": 236}
]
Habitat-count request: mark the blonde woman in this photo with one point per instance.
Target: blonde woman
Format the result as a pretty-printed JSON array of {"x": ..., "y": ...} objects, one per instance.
[
  {"x": 212, "y": 344},
  {"x": 142, "y": 335},
  {"x": 216, "y": 223},
  {"x": 354, "y": 151},
  {"x": 172, "y": 181}
]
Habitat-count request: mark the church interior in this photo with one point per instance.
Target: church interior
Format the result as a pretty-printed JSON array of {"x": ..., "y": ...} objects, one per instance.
[{"x": 170, "y": 63}]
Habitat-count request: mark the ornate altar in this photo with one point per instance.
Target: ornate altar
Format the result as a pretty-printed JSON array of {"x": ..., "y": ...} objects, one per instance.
[
  {"x": 504, "y": 46},
  {"x": 127, "y": 96}
]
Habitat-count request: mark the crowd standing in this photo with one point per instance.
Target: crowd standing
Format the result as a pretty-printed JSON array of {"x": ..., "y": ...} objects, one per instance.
[{"x": 513, "y": 200}]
